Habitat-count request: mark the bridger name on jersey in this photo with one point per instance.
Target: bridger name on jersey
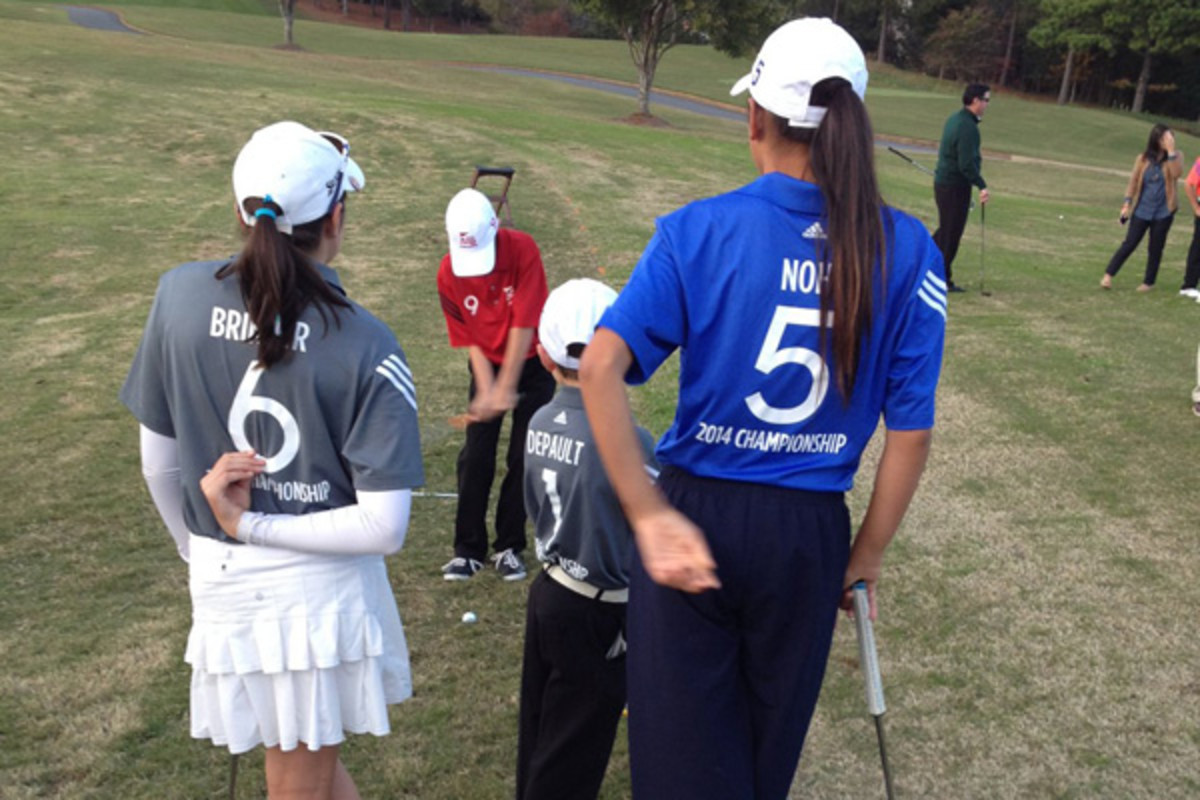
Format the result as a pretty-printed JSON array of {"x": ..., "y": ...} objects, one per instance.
[
  {"x": 553, "y": 446},
  {"x": 236, "y": 326}
]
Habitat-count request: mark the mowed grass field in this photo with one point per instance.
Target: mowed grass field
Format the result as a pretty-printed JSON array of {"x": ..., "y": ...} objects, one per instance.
[{"x": 1038, "y": 624}]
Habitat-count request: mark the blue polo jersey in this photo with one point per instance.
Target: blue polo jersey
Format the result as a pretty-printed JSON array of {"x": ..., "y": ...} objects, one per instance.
[{"x": 734, "y": 283}]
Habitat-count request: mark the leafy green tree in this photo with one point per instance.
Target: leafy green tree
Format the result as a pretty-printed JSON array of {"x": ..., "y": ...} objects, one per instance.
[
  {"x": 652, "y": 27},
  {"x": 1158, "y": 28},
  {"x": 965, "y": 45},
  {"x": 1078, "y": 25}
]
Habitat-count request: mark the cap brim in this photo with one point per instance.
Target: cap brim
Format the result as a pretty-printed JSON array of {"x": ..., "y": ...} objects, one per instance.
[
  {"x": 354, "y": 180},
  {"x": 742, "y": 85},
  {"x": 474, "y": 262}
]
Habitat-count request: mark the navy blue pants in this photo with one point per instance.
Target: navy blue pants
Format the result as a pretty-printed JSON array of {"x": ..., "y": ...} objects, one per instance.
[{"x": 722, "y": 684}]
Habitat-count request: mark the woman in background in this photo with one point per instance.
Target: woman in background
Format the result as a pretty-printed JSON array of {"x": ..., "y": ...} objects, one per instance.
[{"x": 1150, "y": 205}]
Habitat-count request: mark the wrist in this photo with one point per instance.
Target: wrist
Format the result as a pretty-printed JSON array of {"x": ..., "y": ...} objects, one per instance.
[{"x": 245, "y": 530}]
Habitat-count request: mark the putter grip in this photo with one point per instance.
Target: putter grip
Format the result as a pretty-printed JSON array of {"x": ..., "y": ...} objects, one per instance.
[{"x": 867, "y": 655}]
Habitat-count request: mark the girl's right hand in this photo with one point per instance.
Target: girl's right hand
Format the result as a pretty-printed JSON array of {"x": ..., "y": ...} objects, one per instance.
[{"x": 227, "y": 487}]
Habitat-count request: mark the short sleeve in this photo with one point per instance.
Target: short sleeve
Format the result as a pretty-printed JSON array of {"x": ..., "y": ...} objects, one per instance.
[
  {"x": 649, "y": 314},
  {"x": 144, "y": 391},
  {"x": 1193, "y": 176},
  {"x": 920, "y": 334},
  {"x": 530, "y": 292},
  {"x": 456, "y": 325},
  {"x": 383, "y": 448}
]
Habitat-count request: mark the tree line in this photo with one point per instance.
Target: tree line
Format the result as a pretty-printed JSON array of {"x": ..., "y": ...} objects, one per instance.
[{"x": 1139, "y": 55}]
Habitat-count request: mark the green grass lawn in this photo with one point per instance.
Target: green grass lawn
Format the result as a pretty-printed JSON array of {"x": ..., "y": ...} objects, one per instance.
[{"x": 1037, "y": 628}]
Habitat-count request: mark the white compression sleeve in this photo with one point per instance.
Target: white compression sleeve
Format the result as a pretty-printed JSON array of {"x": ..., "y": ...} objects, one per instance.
[
  {"x": 377, "y": 524},
  {"x": 160, "y": 468}
]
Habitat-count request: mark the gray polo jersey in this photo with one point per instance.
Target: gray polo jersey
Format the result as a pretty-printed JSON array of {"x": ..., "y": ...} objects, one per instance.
[
  {"x": 337, "y": 415},
  {"x": 577, "y": 518}
]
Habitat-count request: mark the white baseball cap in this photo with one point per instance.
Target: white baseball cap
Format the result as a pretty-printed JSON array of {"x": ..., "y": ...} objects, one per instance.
[
  {"x": 796, "y": 57},
  {"x": 471, "y": 225},
  {"x": 570, "y": 316},
  {"x": 304, "y": 172}
]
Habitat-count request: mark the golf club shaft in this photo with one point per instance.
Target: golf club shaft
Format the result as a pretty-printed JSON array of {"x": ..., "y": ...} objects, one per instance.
[
  {"x": 919, "y": 166},
  {"x": 887, "y": 772},
  {"x": 982, "y": 246}
]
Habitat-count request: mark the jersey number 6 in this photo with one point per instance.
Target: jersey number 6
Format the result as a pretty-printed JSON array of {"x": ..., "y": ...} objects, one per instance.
[
  {"x": 245, "y": 403},
  {"x": 772, "y": 356}
]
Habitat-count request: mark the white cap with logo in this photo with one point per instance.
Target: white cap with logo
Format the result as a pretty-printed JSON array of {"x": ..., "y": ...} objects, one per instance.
[
  {"x": 303, "y": 172},
  {"x": 471, "y": 225},
  {"x": 795, "y": 58},
  {"x": 570, "y": 316}
]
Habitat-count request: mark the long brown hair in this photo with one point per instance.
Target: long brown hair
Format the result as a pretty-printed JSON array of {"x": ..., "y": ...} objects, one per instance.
[
  {"x": 842, "y": 158},
  {"x": 1155, "y": 152},
  {"x": 279, "y": 280}
]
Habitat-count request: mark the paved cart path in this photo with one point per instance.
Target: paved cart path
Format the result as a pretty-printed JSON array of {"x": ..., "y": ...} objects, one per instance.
[
  {"x": 98, "y": 19},
  {"x": 101, "y": 19}
]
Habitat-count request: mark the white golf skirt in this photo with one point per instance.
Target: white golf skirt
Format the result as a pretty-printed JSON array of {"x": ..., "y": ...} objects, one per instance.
[{"x": 289, "y": 648}]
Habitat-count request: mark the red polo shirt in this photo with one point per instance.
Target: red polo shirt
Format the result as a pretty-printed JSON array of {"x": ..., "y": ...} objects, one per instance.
[{"x": 481, "y": 311}]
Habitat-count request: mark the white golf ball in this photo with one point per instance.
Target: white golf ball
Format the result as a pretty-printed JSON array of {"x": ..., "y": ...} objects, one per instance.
[
  {"x": 469, "y": 617},
  {"x": 1060, "y": 216}
]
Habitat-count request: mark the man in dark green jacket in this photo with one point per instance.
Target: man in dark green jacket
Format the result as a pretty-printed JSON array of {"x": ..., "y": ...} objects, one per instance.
[{"x": 957, "y": 171}]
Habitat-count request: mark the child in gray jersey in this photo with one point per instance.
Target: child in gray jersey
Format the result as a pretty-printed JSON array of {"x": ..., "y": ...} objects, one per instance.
[{"x": 573, "y": 676}]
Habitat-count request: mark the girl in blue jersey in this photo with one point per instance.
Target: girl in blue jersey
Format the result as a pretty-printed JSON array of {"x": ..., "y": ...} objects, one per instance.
[
  {"x": 803, "y": 309},
  {"x": 280, "y": 444}
]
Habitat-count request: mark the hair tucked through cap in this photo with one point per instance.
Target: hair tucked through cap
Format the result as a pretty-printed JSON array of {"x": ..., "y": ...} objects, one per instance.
[
  {"x": 278, "y": 279},
  {"x": 842, "y": 159}
]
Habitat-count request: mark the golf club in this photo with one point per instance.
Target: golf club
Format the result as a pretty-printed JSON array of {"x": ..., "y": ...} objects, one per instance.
[
  {"x": 923, "y": 168},
  {"x": 919, "y": 166},
  {"x": 233, "y": 769},
  {"x": 982, "y": 245},
  {"x": 869, "y": 659}
]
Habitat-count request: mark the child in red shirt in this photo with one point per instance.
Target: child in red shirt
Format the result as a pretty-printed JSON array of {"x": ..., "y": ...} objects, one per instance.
[{"x": 492, "y": 286}]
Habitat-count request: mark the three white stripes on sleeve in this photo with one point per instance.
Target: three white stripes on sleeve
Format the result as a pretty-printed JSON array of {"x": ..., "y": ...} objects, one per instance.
[{"x": 397, "y": 372}]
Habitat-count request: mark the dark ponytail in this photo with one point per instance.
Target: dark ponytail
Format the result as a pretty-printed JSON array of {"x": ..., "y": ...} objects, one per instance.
[
  {"x": 279, "y": 280},
  {"x": 842, "y": 159}
]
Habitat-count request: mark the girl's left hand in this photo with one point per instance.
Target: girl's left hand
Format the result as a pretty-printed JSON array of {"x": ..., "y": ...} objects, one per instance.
[{"x": 227, "y": 487}]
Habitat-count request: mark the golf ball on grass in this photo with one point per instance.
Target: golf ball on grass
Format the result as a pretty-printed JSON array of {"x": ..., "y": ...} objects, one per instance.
[{"x": 469, "y": 617}]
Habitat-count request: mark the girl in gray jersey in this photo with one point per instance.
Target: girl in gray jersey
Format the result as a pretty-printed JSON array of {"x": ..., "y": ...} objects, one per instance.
[{"x": 280, "y": 444}]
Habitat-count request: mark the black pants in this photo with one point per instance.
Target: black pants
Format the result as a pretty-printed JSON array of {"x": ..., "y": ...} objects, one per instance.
[
  {"x": 572, "y": 693},
  {"x": 1191, "y": 275},
  {"x": 953, "y": 203},
  {"x": 1158, "y": 240},
  {"x": 477, "y": 469}
]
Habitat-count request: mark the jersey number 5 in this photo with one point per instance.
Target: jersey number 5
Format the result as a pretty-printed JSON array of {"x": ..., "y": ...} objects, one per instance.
[
  {"x": 772, "y": 356},
  {"x": 245, "y": 403}
]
